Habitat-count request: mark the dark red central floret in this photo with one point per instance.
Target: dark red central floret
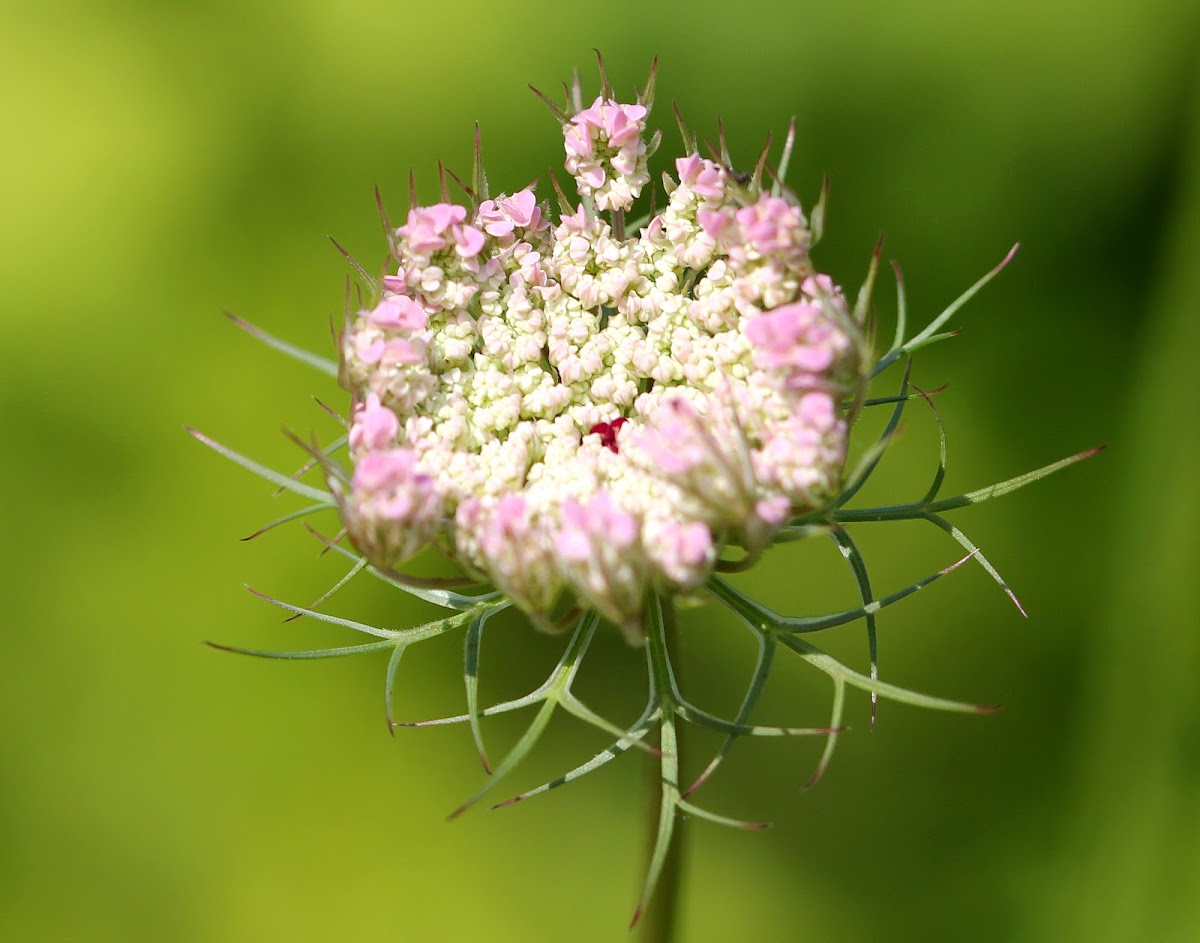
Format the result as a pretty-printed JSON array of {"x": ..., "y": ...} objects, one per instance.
[{"x": 608, "y": 432}]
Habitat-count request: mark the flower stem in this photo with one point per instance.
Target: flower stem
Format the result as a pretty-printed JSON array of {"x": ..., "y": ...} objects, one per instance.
[{"x": 661, "y": 919}]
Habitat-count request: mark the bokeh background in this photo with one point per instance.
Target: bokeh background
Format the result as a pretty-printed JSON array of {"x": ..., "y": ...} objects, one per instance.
[{"x": 167, "y": 161}]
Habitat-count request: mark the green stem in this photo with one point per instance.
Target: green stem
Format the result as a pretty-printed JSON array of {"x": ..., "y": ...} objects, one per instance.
[{"x": 659, "y": 924}]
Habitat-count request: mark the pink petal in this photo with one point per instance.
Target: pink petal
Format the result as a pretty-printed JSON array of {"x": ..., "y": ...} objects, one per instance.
[
  {"x": 400, "y": 351},
  {"x": 468, "y": 241}
]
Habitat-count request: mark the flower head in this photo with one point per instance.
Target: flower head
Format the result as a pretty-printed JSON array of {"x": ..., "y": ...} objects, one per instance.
[
  {"x": 578, "y": 392},
  {"x": 593, "y": 421}
]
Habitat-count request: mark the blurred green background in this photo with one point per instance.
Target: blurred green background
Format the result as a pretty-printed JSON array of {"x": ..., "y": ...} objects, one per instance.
[{"x": 166, "y": 161}]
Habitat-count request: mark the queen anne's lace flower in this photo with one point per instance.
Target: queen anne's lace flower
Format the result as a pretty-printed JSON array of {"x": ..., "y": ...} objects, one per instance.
[
  {"x": 621, "y": 407},
  {"x": 593, "y": 416}
]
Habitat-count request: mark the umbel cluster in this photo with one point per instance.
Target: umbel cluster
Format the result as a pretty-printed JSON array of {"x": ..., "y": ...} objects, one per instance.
[{"x": 593, "y": 415}]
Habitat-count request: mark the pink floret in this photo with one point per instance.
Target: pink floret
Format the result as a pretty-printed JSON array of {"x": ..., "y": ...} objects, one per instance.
[
  {"x": 771, "y": 224},
  {"x": 400, "y": 312},
  {"x": 374, "y": 427}
]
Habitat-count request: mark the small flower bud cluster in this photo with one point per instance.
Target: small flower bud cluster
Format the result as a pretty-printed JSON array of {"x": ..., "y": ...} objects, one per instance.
[
  {"x": 393, "y": 508},
  {"x": 572, "y": 409},
  {"x": 702, "y": 188},
  {"x": 606, "y": 153},
  {"x": 804, "y": 342},
  {"x": 384, "y": 353},
  {"x": 506, "y": 537}
]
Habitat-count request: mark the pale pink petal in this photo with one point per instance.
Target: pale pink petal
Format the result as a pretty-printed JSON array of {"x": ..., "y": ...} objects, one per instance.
[{"x": 467, "y": 241}]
